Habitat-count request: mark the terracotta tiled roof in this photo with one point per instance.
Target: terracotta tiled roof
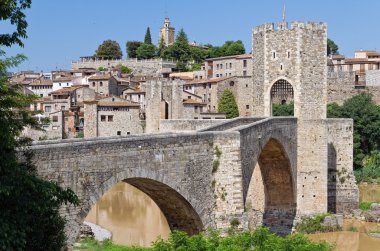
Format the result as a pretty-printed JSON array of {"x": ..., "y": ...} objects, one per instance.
[
  {"x": 42, "y": 82},
  {"x": 118, "y": 104},
  {"x": 100, "y": 77},
  {"x": 67, "y": 90},
  {"x": 63, "y": 79}
]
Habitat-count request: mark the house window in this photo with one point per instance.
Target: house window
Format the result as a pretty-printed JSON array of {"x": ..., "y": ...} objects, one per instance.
[
  {"x": 55, "y": 118},
  {"x": 110, "y": 118},
  {"x": 217, "y": 66},
  {"x": 195, "y": 108},
  {"x": 101, "y": 83},
  {"x": 48, "y": 108},
  {"x": 226, "y": 66},
  {"x": 209, "y": 85},
  {"x": 204, "y": 86},
  {"x": 244, "y": 73},
  {"x": 232, "y": 83},
  {"x": 63, "y": 108},
  {"x": 59, "y": 84},
  {"x": 128, "y": 133},
  {"x": 115, "y": 108},
  {"x": 221, "y": 66},
  {"x": 118, "y": 133},
  {"x": 103, "y": 118},
  {"x": 200, "y": 77},
  {"x": 93, "y": 84},
  {"x": 288, "y": 54},
  {"x": 274, "y": 55},
  {"x": 189, "y": 97},
  {"x": 247, "y": 107},
  {"x": 41, "y": 95},
  {"x": 230, "y": 65},
  {"x": 244, "y": 63}
]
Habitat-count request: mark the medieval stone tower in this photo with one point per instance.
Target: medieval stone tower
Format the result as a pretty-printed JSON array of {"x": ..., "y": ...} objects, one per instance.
[
  {"x": 167, "y": 33},
  {"x": 290, "y": 63}
]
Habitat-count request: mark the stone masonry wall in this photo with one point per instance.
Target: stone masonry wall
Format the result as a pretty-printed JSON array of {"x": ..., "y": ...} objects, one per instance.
[
  {"x": 182, "y": 125},
  {"x": 175, "y": 170},
  {"x": 341, "y": 86},
  {"x": 152, "y": 67},
  {"x": 343, "y": 193}
]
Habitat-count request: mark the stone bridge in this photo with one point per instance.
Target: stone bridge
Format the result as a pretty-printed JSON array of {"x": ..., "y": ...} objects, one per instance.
[{"x": 243, "y": 169}]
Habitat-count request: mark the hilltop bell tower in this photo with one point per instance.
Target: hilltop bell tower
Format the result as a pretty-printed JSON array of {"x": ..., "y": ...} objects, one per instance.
[
  {"x": 289, "y": 63},
  {"x": 167, "y": 33}
]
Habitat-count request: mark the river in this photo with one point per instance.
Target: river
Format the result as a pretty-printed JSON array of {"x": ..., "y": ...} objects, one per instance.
[
  {"x": 131, "y": 216},
  {"x": 134, "y": 219}
]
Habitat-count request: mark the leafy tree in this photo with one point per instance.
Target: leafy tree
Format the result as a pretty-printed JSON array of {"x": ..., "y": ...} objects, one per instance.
[
  {"x": 29, "y": 218},
  {"x": 146, "y": 51},
  {"x": 332, "y": 48},
  {"x": 235, "y": 48},
  {"x": 227, "y": 105},
  {"x": 132, "y": 48},
  {"x": 12, "y": 10},
  {"x": 148, "y": 37},
  {"x": 109, "y": 49},
  {"x": 161, "y": 47},
  {"x": 283, "y": 109},
  {"x": 180, "y": 50},
  {"x": 125, "y": 69},
  {"x": 101, "y": 68},
  {"x": 366, "y": 115}
]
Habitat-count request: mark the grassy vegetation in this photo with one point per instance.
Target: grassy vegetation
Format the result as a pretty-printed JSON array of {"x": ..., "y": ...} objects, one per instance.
[
  {"x": 260, "y": 239},
  {"x": 311, "y": 225},
  {"x": 365, "y": 206}
]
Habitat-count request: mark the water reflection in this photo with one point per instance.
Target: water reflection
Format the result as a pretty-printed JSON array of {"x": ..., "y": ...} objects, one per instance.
[{"x": 131, "y": 216}]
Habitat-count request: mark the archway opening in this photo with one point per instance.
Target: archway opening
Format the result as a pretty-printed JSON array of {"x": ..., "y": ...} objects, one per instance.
[
  {"x": 282, "y": 98},
  {"x": 138, "y": 210},
  {"x": 271, "y": 197}
]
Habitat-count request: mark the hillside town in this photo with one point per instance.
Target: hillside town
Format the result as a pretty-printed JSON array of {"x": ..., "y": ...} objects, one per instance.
[{"x": 97, "y": 97}]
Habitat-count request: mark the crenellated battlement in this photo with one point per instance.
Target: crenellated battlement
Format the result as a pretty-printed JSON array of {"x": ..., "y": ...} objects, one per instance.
[{"x": 315, "y": 26}]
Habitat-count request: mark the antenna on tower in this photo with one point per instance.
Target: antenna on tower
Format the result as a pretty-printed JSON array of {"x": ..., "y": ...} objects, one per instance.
[
  {"x": 284, "y": 13},
  {"x": 166, "y": 10}
]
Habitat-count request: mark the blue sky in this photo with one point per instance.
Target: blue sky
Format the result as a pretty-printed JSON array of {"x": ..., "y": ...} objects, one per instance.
[{"x": 63, "y": 30}]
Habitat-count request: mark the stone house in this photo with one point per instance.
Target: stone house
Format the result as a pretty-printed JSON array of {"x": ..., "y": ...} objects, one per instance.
[
  {"x": 105, "y": 85},
  {"x": 60, "y": 82},
  {"x": 111, "y": 116},
  {"x": 41, "y": 87},
  {"x": 237, "y": 65}
]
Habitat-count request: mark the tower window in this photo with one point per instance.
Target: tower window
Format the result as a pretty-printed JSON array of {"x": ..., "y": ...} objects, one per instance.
[
  {"x": 288, "y": 54},
  {"x": 274, "y": 55}
]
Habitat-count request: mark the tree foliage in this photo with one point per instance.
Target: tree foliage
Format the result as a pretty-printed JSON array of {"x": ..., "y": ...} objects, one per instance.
[
  {"x": 180, "y": 49},
  {"x": 29, "y": 218},
  {"x": 109, "y": 49},
  {"x": 332, "y": 48},
  {"x": 371, "y": 169},
  {"x": 146, "y": 51},
  {"x": 227, "y": 105},
  {"x": 13, "y": 10},
  {"x": 366, "y": 115},
  {"x": 132, "y": 48},
  {"x": 283, "y": 110},
  {"x": 229, "y": 48},
  {"x": 148, "y": 37}
]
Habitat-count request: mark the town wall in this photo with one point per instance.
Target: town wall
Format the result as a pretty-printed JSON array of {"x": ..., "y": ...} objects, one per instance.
[
  {"x": 341, "y": 86},
  {"x": 150, "y": 67}
]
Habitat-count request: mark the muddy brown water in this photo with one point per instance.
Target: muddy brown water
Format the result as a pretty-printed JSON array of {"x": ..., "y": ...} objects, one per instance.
[
  {"x": 131, "y": 216},
  {"x": 134, "y": 219}
]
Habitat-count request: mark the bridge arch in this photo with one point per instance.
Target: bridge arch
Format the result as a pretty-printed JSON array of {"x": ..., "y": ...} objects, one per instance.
[
  {"x": 271, "y": 197},
  {"x": 175, "y": 203}
]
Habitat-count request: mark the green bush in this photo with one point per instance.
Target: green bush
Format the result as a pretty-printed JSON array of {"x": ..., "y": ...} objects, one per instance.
[
  {"x": 283, "y": 110},
  {"x": 365, "y": 206},
  {"x": 260, "y": 239},
  {"x": 370, "y": 172},
  {"x": 309, "y": 225}
]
